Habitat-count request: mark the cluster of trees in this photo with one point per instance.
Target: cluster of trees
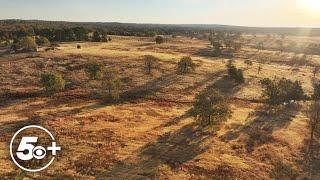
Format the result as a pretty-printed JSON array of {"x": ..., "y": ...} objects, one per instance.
[
  {"x": 280, "y": 91},
  {"x": 55, "y": 34},
  {"x": 54, "y": 82},
  {"x": 225, "y": 40}
]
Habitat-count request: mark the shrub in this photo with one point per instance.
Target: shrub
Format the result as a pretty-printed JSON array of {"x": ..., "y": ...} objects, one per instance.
[
  {"x": 95, "y": 70},
  {"x": 28, "y": 43},
  {"x": 52, "y": 82},
  {"x": 280, "y": 91},
  {"x": 186, "y": 65},
  {"x": 42, "y": 41},
  {"x": 234, "y": 73},
  {"x": 159, "y": 39},
  {"x": 210, "y": 108},
  {"x": 150, "y": 62},
  {"x": 78, "y": 46},
  {"x": 112, "y": 85}
]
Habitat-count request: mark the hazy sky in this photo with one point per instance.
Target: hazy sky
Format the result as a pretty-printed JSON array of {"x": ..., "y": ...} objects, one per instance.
[{"x": 231, "y": 12}]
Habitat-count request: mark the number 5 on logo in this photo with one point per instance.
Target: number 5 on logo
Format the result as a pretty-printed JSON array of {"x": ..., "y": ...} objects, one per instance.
[{"x": 24, "y": 151}]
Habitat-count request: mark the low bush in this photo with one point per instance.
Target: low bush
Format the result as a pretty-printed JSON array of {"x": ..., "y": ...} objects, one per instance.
[
  {"x": 95, "y": 70},
  {"x": 52, "y": 82},
  {"x": 28, "y": 44},
  {"x": 186, "y": 65}
]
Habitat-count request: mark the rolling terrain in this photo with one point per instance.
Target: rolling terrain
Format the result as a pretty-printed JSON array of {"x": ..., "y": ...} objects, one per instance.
[{"x": 149, "y": 133}]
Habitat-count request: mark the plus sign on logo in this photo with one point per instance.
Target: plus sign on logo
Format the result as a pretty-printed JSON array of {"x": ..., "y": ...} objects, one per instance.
[{"x": 33, "y": 148}]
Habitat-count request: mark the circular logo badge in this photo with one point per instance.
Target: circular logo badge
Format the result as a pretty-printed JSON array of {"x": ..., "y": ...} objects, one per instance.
[{"x": 33, "y": 148}]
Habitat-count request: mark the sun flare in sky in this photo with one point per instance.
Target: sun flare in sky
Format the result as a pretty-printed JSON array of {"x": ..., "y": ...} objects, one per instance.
[{"x": 312, "y": 6}]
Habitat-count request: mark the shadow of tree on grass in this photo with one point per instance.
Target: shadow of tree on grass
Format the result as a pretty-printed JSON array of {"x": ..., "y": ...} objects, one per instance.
[
  {"x": 172, "y": 149},
  {"x": 261, "y": 124}
]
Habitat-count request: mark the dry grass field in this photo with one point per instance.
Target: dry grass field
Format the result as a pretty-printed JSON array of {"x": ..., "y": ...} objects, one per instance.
[{"x": 149, "y": 134}]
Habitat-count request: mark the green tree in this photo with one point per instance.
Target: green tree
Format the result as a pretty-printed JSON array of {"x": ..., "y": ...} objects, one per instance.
[
  {"x": 52, "y": 82},
  {"x": 186, "y": 65},
  {"x": 42, "y": 41},
  {"x": 81, "y": 34},
  {"x": 210, "y": 108},
  {"x": 282, "y": 90},
  {"x": 234, "y": 73},
  {"x": 159, "y": 39},
  {"x": 95, "y": 70},
  {"x": 99, "y": 36}
]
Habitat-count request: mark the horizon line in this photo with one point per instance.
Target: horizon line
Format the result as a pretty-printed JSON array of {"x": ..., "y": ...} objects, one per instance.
[{"x": 213, "y": 24}]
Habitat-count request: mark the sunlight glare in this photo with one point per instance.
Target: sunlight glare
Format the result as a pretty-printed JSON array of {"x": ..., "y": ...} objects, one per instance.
[{"x": 313, "y": 6}]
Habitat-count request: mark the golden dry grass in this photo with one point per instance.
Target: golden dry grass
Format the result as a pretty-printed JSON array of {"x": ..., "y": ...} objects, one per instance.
[{"x": 151, "y": 136}]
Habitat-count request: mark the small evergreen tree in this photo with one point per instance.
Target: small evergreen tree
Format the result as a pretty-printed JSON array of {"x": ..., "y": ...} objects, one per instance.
[{"x": 186, "y": 65}]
